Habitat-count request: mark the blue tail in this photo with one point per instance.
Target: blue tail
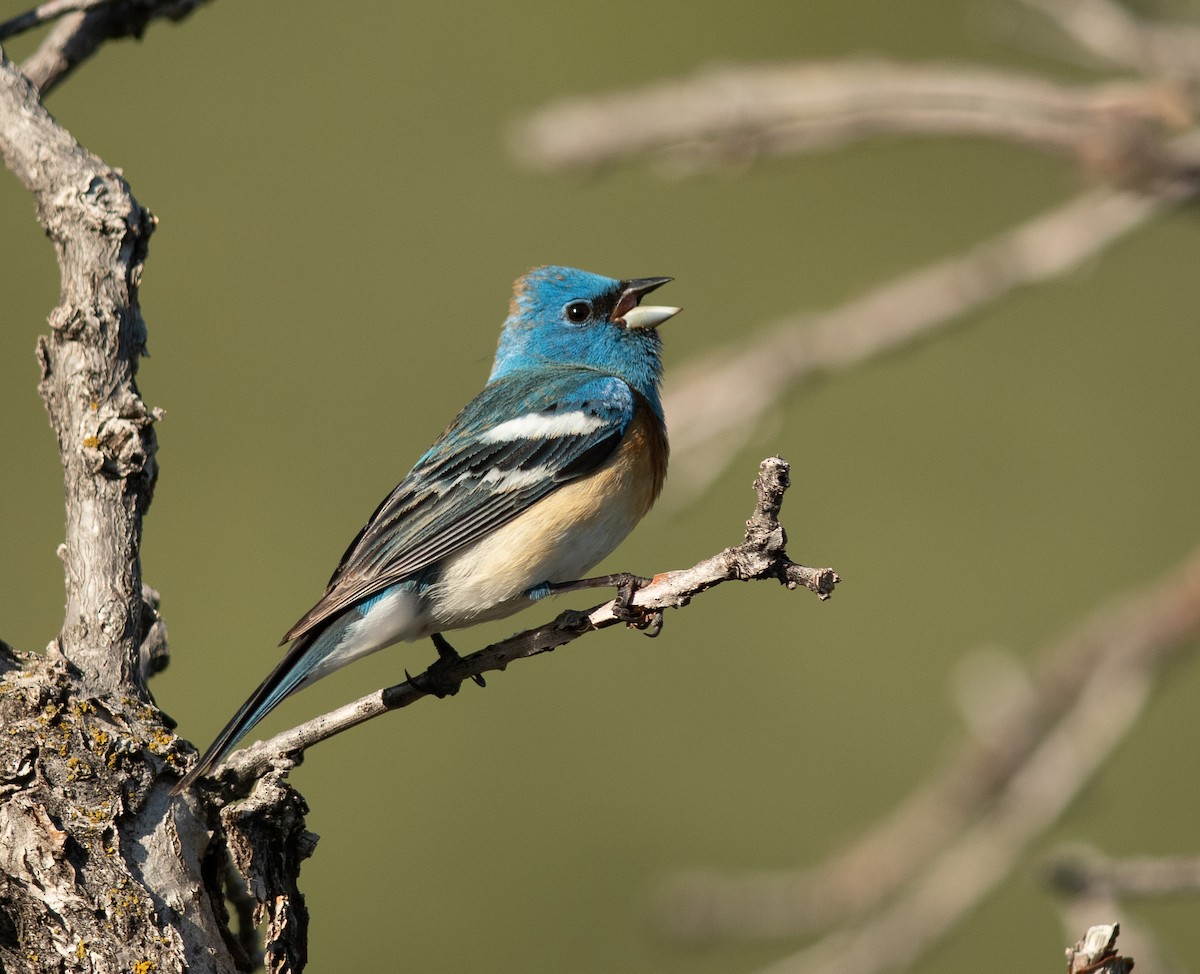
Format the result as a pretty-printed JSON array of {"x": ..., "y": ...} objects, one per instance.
[{"x": 299, "y": 662}]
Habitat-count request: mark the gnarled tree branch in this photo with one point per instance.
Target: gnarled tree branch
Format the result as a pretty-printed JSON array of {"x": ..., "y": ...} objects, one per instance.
[
  {"x": 89, "y": 361},
  {"x": 83, "y": 25}
]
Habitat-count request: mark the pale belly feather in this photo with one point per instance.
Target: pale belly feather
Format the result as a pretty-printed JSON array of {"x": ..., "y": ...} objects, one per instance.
[{"x": 559, "y": 539}]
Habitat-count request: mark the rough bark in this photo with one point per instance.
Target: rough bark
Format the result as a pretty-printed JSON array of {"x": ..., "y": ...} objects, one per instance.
[
  {"x": 98, "y": 872},
  {"x": 89, "y": 361},
  {"x": 101, "y": 870}
]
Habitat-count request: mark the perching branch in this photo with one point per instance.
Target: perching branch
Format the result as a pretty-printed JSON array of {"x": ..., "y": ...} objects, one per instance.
[{"x": 762, "y": 555}]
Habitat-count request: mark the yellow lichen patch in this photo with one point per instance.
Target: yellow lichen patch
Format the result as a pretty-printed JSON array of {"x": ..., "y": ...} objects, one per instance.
[
  {"x": 146, "y": 714},
  {"x": 143, "y": 967},
  {"x": 160, "y": 741},
  {"x": 91, "y": 442},
  {"x": 99, "y": 814},
  {"x": 123, "y": 901}
]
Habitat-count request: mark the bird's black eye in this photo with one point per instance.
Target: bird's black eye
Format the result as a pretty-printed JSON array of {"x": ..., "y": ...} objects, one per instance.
[{"x": 579, "y": 312}]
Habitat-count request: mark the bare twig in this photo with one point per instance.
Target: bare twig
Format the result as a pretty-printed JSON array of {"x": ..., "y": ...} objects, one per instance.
[
  {"x": 762, "y": 555},
  {"x": 86, "y": 25},
  {"x": 1080, "y": 912},
  {"x": 43, "y": 14},
  {"x": 731, "y": 114},
  {"x": 1096, "y": 953},
  {"x": 1011, "y": 786},
  {"x": 714, "y": 404}
]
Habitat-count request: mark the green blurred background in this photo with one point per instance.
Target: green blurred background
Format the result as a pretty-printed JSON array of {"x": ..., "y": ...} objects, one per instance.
[{"x": 340, "y": 226}]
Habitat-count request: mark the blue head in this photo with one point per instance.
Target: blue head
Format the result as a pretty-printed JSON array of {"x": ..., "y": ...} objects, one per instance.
[{"x": 564, "y": 316}]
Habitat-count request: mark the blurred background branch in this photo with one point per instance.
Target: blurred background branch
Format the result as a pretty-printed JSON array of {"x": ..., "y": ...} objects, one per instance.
[
  {"x": 1135, "y": 136},
  {"x": 956, "y": 838},
  {"x": 1119, "y": 39},
  {"x": 732, "y": 116},
  {"x": 715, "y": 402},
  {"x": 903, "y": 884},
  {"x": 1085, "y": 872}
]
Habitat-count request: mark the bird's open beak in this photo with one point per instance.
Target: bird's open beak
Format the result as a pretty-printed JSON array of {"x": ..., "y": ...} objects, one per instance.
[{"x": 627, "y": 312}]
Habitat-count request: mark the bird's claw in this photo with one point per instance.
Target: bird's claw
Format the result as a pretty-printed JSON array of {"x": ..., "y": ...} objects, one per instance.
[
  {"x": 652, "y": 622},
  {"x": 649, "y": 621},
  {"x": 440, "y": 680}
]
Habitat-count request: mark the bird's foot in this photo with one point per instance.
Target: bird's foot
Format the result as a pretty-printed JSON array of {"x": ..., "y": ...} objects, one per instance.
[
  {"x": 649, "y": 621},
  {"x": 440, "y": 679}
]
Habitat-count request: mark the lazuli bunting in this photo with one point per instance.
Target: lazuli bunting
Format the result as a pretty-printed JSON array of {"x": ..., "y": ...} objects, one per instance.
[{"x": 537, "y": 479}]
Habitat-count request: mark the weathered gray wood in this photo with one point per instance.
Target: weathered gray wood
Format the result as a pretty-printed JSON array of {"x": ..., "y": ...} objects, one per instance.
[
  {"x": 89, "y": 361},
  {"x": 101, "y": 869}
]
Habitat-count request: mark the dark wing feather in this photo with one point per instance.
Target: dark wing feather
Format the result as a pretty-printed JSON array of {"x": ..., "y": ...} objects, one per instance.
[{"x": 451, "y": 499}]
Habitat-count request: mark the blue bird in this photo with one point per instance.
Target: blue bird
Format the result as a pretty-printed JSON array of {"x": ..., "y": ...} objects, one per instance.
[{"x": 538, "y": 478}]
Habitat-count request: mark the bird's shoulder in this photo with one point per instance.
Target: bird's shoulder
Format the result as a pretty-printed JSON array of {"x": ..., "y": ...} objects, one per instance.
[{"x": 551, "y": 389}]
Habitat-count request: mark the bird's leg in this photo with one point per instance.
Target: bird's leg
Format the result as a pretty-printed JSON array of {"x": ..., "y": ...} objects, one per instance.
[
  {"x": 437, "y": 679},
  {"x": 650, "y": 621},
  {"x": 625, "y": 584}
]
